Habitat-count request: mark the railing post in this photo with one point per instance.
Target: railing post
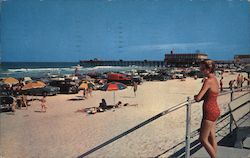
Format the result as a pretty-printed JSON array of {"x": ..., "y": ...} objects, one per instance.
[
  {"x": 231, "y": 118},
  {"x": 188, "y": 128}
]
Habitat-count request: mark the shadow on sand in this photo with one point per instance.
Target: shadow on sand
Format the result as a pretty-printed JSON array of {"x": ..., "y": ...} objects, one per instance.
[
  {"x": 128, "y": 96},
  {"x": 10, "y": 113},
  {"x": 39, "y": 111},
  {"x": 75, "y": 99}
]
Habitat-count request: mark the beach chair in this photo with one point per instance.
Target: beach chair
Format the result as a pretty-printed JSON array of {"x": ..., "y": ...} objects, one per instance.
[{"x": 240, "y": 113}]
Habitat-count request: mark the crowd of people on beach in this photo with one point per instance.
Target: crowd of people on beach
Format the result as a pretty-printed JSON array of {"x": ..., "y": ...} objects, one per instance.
[
  {"x": 236, "y": 83},
  {"x": 208, "y": 93},
  {"x": 19, "y": 99}
]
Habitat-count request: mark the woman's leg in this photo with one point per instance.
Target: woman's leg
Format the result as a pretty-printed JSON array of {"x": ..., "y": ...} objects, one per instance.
[
  {"x": 206, "y": 128},
  {"x": 13, "y": 107},
  {"x": 212, "y": 138}
]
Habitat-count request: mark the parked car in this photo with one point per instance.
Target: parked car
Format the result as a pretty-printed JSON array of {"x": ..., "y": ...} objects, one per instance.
[
  {"x": 177, "y": 76},
  {"x": 66, "y": 86},
  {"x": 156, "y": 77},
  {"x": 6, "y": 103},
  {"x": 117, "y": 77},
  {"x": 49, "y": 90},
  {"x": 195, "y": 73},
  {"x": 142, "y": 73}
]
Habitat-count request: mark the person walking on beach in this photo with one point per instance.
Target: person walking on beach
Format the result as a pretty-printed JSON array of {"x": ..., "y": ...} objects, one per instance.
[
  {"x": 90, "y": 90},
  {"x": 238, "y": 80},
  {"x": 135, "y": 87},
  {"x": 211, "y": 111},
  {"x": 231, "y": 83},
  {"x": 221, "y": 84},
  {"x": 248, "y": 81},
  {"x": 13, "y": 106},
  {"x": 84, "y": 92},
  {"x": 43, "y": 103},
  {"x": 24, "y": 101},
  {"x": 241, "y": 81}
]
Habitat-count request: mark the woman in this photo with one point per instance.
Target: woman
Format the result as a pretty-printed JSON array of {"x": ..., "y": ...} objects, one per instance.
[
  {"x": 135, "y": 87},
  {"x": 43, "y": 103},
  {"x": 221, "y": 84},
  {"x": 211, "y": 111}
]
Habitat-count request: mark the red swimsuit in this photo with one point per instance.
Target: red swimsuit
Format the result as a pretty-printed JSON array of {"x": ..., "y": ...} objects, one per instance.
[{"x": 211, "y": 110}]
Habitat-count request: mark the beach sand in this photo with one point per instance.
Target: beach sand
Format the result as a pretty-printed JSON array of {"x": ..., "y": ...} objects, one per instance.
[{"x": 66, "y": 131}]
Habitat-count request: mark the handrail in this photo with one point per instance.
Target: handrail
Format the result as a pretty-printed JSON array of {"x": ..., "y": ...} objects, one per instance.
[
  {"x": 187, "y": 103},
  {"x": 240, "y": 96},
  {"x": 174, "y": 108}
]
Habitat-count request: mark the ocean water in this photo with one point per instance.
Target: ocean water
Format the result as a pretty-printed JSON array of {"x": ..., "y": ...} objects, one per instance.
[{"x": 42, "y": 69}]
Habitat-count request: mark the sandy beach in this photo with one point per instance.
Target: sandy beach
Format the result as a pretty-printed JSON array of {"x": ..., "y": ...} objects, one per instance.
[{"x": 65, "y": 130}]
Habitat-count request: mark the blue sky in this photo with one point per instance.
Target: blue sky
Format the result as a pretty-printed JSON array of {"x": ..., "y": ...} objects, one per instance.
[{"x": 71, "y": 30}]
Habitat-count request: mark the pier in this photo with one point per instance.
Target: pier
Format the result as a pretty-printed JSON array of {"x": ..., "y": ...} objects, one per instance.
[{"x": 149, "y": 63}]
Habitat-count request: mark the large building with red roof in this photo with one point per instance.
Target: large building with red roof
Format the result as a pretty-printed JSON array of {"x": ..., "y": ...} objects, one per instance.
[{"x": 176, "y": 59}]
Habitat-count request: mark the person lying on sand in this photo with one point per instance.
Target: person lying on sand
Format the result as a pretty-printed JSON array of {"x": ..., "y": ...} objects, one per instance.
[
  {"x": 119, "y": 104},
  {"x": 103, "y": 104}
]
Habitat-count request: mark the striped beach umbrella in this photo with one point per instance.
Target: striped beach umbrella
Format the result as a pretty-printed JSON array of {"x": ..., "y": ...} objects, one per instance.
[
  {"x": 10, "y": 80},
  {"x": 114, "y": 86},
  {"x": 86, "y": 85},
  {"x": 31, "y": 85}
]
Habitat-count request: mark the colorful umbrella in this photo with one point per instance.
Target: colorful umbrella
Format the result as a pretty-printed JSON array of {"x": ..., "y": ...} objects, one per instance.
[
  {"x": 83, "y": 86},
  {"x": 91, "y": 85},
  {"x": 10, "y": 80},
  {"x": 114, "y": 86},
  {"x": 86, "y": 85},
  {"x": 31, "y": 85},
  {"x": 41, "y": 83}
]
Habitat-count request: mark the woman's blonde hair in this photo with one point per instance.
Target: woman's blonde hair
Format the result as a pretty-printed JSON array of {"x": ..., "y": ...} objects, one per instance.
[{"x": 209, "y": 64}]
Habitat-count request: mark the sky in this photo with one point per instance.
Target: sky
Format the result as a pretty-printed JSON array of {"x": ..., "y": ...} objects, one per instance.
[{"x": 73, "y": 30}]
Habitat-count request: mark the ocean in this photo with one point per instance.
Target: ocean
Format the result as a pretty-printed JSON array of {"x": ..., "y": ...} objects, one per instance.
[{"x": 42, "y": 69}]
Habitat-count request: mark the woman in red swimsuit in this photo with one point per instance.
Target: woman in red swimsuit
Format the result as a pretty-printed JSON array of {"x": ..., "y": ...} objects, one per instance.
[{"x": 211, "y": 111}]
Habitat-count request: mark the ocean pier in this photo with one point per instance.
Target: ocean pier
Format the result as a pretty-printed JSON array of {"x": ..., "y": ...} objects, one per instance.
[{"x": 148, "y": 63}]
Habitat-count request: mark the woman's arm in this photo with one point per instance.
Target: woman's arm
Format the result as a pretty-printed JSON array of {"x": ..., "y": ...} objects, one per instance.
[{"x": 203, "y": 90}]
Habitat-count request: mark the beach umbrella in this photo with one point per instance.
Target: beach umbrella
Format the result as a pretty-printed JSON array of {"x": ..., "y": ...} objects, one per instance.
[
  {"x": 31, "y": 85},
  {"x": 86, "y": 85},
  {"x": 114, "y": 86},
  {"x": 91, "y": 85},
  {"x": 83, "y": 86},
  {"x": 41, "y": 83},
  {"x": 10, "y": 80}
]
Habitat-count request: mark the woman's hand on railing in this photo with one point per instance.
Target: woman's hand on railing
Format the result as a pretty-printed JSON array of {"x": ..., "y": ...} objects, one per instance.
[{"x": 195, "y": 98}]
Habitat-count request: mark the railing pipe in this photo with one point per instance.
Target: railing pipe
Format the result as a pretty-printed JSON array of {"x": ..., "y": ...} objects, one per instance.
[
  {"x": 231, "y": 118},
  {"x": 188, "y": 127}
]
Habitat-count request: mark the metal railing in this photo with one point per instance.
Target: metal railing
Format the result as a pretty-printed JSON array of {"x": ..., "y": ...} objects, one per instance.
[{"x": 188, "y": 103}]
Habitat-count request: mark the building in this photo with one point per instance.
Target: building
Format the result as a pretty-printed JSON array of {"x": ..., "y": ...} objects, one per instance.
[
  {"x": 242, "y": 59},
  {"x": 174, "y": 59},
  {"x": 97, "y": 62}
]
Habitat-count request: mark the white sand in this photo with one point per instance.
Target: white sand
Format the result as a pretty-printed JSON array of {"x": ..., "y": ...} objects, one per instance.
[{"x": 64, "y": 132}]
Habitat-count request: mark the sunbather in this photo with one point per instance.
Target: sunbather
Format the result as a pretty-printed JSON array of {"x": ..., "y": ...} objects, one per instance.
[
  {"x": 119, "y": 104},
  {"x": 103, "y": 104}
]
